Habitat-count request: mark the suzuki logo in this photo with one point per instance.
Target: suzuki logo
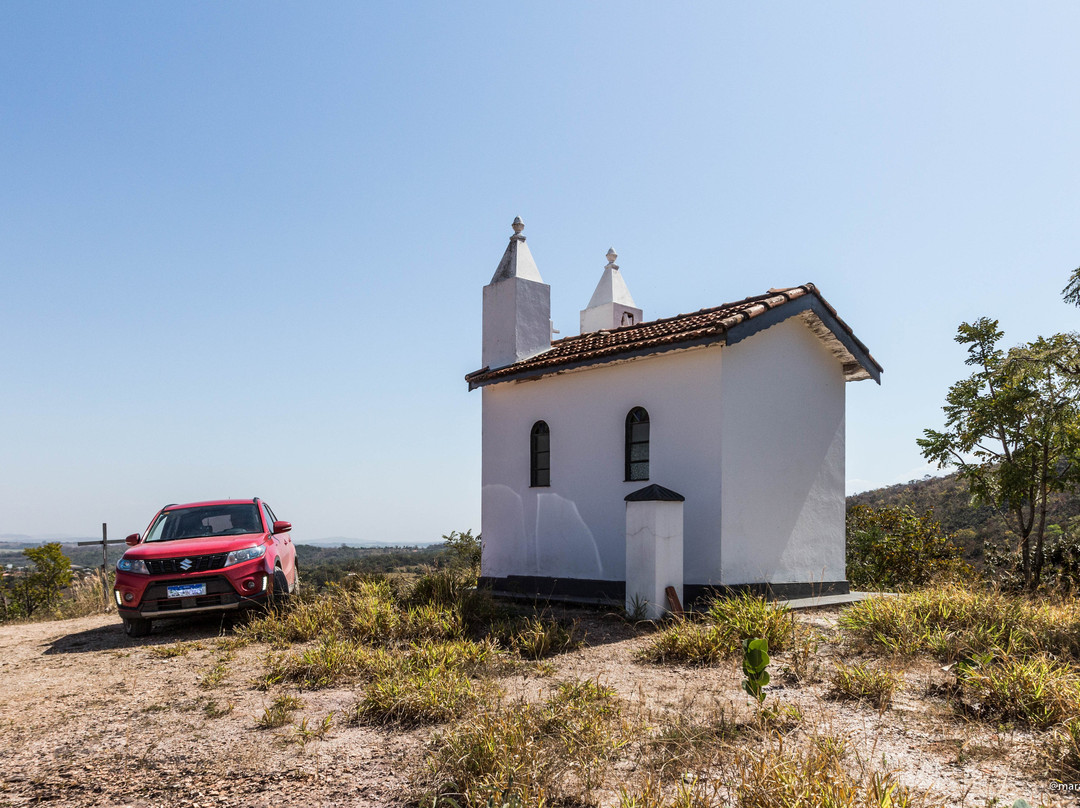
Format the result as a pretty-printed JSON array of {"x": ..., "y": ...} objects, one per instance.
[{"x": 186, "y": 564}]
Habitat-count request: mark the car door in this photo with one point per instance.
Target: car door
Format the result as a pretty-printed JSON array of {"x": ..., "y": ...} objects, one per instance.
[{"x": 286, "y": 551}]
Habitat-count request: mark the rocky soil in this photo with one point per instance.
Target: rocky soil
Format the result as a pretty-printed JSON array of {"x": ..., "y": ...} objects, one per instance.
[{"x": 90, "y": 717}]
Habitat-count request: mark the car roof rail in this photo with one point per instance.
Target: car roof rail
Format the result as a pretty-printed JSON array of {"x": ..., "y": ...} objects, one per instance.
[{"x": 171, "y": 504}]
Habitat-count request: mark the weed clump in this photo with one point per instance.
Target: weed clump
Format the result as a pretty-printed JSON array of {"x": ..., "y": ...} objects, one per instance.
[
  {"x": 1038, "y": 691},
  {"x": 861, "y": 682},
  {"x": 429, "y": 683},
  {"x": 528, "y": 754},
  {"x": 280, "y": 712},
  {"x": 775, "y": 777},
  {"x": 952, "y": 622},
  {"x": 536, "y": 637},
  {"x": 720, "y": 635}
]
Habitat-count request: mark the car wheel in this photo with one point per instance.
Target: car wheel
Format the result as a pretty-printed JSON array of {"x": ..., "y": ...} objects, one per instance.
[
  {"x": 296, "y": 580},
  {"x": 136, "y": 627},
  {"x": 280, "y": 595}
]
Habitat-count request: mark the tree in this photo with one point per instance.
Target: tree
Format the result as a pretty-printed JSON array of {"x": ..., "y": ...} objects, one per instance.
[
  {"x": 41, "y": 587},
  {"x": 464, "y": 550},
  {"x": 1071, "y": 292},
  {"x": 1012, "y": 430}
]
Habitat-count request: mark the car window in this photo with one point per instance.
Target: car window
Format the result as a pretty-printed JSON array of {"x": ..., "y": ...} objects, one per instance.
[{"x": 205, "y": 522}]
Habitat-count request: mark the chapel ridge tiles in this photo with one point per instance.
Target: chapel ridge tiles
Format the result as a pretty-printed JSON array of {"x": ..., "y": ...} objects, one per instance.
[{"x": 685, "y": 330}]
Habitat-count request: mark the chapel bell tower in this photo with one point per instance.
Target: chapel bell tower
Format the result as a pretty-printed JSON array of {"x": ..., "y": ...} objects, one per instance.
[{"x": 517, "y": 307}]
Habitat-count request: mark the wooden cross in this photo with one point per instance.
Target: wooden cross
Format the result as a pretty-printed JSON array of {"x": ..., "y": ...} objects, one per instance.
[{"x": 104, "y": 542}]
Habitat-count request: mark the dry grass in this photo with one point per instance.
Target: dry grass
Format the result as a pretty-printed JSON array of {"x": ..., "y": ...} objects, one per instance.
[
  {"x": 527, "y": 754},
  {"x": 1038, "y": 691},
  {"x": 719, "y": 635},
  {"x": 952, "y": 622},
  {"x": 865, "y": 682}
]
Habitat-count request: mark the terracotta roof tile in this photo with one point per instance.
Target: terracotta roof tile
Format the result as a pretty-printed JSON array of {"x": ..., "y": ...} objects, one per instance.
[{"x": 655, "y": 335}]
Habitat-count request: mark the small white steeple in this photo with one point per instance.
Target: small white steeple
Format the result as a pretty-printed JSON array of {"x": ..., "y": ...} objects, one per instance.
[
  {"x": 517, "y": 307},
  {"x": 611, "y": 305}
]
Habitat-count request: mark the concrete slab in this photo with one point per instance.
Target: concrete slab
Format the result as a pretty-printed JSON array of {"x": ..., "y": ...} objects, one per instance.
[{"x": 833, "y": 600}]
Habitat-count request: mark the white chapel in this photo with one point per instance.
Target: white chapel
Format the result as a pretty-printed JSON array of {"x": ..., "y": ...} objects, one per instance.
[{"x": 703, "y": 452}]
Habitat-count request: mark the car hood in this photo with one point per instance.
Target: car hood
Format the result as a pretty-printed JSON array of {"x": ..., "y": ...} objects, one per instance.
[{"x": 178, "y": 548}]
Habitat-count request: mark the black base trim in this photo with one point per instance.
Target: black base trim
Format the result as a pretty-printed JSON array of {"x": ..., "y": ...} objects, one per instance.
[
  {"x": 587, "y": 590},
  {"x": 698, "y": 595},
  {"x": 570, "y": 590}
]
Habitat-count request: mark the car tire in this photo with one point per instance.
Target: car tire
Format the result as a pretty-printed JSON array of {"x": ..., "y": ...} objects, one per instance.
[
  {"x": 280, "y": 595},
  {"x": 136, "y": 627},
  {"x": 295, "y": 580}
]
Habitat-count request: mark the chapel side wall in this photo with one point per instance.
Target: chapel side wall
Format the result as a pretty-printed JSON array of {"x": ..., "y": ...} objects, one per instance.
[
  {"x": 576, "y": 527},
  {"x": 783, "y": 459}
]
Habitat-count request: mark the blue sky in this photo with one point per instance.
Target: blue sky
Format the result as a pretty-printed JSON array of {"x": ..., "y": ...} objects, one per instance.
[{"x": 242, "y": 245}]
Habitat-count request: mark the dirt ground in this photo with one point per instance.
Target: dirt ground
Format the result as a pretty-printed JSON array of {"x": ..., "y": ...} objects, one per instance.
[{"x": 90, "y": 717}]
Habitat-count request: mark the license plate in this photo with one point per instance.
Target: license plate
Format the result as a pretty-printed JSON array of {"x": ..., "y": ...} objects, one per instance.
[{"x": 187, "y": 591}]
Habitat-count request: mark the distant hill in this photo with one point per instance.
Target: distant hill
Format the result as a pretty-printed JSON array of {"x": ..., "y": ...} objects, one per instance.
[{"x": 951, "y": 503}]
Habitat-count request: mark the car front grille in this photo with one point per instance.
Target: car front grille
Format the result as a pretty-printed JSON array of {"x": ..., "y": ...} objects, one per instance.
[
  {"x": 219, "y": 592},
  {"x": 172, "y": 566}
]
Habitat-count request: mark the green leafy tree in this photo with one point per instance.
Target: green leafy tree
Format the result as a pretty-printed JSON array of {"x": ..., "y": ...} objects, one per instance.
[
  {"x": 893, "y": 547},
  {"x": 464, "y": 550},
  {"x": 41, "y": 587},
  {"x": 1011, "y": 431}
]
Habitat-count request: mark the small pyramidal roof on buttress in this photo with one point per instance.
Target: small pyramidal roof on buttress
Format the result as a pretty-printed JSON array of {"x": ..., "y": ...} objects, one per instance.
[{"x": 517, "y": 261}]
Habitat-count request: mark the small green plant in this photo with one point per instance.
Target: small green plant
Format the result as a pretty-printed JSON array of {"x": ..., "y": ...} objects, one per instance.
[
  {"x": 305, "y": 732},
  {"x": 755, "y": 661},
  {"x": 860, "y": 682},
  {"x": 215, "y": 675},
  {"x": 639, "y": 608},
  {"x": 280, "y": 712}
]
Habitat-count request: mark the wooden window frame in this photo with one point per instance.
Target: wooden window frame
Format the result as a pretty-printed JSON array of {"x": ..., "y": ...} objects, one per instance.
[
  {"x": 636, "y": 417},
  {"x": 540, "y": 458}
]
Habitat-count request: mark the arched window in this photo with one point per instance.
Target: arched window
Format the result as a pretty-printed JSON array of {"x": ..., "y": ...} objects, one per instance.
[
  {"x": 540, "y": 456},
  {"x": 637, "y": 444}
]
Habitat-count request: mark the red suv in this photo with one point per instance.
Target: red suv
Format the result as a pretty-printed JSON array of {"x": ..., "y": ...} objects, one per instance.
[{"x": 214, "y": 556}]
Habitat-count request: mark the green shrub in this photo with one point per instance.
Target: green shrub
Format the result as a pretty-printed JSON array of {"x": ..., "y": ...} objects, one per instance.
[{"x": 893, "y": 547}]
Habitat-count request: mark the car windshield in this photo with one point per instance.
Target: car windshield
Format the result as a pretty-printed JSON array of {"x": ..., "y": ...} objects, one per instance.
[{"x": 205, "y": 521}]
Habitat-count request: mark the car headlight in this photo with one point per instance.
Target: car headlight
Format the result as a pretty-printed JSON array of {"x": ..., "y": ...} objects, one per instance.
[
  {"x": 248, "y": 553},
  {"x": 132, "y": 565}
]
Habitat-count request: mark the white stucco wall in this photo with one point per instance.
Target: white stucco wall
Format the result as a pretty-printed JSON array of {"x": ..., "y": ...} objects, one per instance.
[
  {"x": 782, "y": 493},
  {"x": 752, "y": 435},
  {"x": 576, "y": 527},
  {"x": 517, "y": 320}
]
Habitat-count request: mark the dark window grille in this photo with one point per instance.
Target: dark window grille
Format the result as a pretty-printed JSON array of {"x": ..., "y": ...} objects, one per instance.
[
  {"x": 637, "y": 444},
  {"x": 540, "y": 456}
]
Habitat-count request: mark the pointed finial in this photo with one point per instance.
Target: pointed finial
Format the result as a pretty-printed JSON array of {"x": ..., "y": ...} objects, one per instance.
[
  {"x": 611, "y": 256},
  {"x": 518, "y": 226}
]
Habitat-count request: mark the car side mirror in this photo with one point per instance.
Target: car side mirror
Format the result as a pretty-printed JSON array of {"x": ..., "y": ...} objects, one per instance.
[
  {"x": 132, "y": 540},
  {"x": 282, "y": 527}
]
